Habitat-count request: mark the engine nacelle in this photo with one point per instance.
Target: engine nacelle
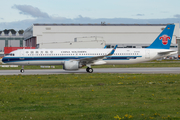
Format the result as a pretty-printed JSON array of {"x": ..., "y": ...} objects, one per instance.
[{"x": 71, "y": 65}]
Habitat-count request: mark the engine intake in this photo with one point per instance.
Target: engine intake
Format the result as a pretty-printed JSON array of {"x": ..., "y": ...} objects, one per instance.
[{"x": 71, "y": 65}]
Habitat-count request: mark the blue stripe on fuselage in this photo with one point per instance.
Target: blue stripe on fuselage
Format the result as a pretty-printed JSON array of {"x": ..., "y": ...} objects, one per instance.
[{"x": 20, "y": 59}]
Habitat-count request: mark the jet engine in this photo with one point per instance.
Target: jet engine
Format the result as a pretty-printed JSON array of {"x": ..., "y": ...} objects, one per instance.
[{"x": 71, "y": 65}]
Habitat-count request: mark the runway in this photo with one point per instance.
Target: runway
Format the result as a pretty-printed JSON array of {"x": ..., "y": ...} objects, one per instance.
[{"x": 163, "y": 70}]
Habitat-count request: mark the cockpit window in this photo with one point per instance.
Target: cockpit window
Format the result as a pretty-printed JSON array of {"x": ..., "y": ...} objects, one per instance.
[{"x": 11, "y": 54}]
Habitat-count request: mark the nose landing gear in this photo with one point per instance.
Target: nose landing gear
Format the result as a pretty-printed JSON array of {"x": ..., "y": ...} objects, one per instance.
[{"x": 22, "y": 69}]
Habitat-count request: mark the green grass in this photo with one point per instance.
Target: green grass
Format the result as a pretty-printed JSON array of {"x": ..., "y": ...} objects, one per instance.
[
  {"x": 164, "y": 63},
  {"x": 90, "y": 96}
]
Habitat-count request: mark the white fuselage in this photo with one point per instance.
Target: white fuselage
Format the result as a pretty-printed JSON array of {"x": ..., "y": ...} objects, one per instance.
[{"x": 59, "y": 56}]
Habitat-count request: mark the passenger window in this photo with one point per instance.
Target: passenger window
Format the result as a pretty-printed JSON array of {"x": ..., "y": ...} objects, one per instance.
[
  {"x": 37, "y": 52},
  {"x": 32, "y": 52}
]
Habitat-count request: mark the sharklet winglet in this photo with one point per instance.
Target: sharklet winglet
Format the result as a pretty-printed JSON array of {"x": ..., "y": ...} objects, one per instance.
[{"x": 113, "y": 50}]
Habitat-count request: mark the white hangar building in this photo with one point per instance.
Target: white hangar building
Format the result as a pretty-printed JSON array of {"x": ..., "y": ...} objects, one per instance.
[{"x": 95, "y": 35}]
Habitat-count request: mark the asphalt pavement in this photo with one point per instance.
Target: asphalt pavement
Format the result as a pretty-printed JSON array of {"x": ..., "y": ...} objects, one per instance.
[{"x": 163, "y": 70}]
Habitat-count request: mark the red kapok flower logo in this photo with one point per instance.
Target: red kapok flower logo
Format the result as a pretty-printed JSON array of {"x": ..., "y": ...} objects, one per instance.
[{"x": 164, "y": 39}]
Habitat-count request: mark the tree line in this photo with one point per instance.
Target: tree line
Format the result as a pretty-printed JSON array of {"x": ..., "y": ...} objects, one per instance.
[{"x": 12, "y": 31}]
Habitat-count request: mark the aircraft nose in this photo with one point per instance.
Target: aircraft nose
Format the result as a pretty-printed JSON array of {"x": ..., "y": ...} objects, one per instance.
[{"x": 3, "y": 59}]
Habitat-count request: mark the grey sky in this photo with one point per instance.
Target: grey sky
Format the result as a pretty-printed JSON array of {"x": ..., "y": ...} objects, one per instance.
[{"x": 21, "y": 14}]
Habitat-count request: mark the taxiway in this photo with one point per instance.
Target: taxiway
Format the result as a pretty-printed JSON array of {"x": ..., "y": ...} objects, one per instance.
[{"x": 162, "y": 70}]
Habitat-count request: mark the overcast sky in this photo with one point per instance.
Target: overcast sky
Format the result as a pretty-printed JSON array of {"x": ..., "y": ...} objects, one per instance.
[{"x": 21, "y": 14}]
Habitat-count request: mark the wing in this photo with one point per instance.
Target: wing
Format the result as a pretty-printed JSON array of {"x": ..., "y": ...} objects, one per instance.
[{"x": 91, "y": 60}]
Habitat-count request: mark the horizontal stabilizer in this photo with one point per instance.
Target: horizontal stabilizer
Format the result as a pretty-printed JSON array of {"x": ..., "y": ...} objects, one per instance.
[{"x": 167, "y": 53}]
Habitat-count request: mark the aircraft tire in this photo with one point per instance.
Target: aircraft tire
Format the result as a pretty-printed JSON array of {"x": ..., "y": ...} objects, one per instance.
[
  {"x": 90, "y": 70},
  {"x": 87, "y": 69},
  {"x": 22, "y": 70}
]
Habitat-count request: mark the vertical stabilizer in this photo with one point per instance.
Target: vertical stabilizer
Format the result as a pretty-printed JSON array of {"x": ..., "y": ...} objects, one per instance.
[{"x": 163, "y": 41}]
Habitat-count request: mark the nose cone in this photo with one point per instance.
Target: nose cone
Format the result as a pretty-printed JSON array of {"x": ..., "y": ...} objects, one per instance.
[{"x": 4, "y": 60}]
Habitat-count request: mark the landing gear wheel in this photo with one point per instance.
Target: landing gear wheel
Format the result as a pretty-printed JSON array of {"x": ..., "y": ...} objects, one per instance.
[
  {"x": 87, "y": 69},
  {"x": 22, "y": 70},
  {"x": 90, "y": 70}
]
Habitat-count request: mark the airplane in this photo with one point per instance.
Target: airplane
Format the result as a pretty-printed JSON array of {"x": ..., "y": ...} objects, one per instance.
[{"x": 74, "y": 59}]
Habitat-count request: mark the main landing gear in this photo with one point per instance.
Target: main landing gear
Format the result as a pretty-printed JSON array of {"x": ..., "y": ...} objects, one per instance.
[
  {"x": 22, "y": 69},
  {"x": 90, "y": 70}
]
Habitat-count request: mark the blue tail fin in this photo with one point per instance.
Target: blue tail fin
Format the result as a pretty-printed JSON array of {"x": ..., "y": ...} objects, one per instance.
[{"x": 163, "y": 41}]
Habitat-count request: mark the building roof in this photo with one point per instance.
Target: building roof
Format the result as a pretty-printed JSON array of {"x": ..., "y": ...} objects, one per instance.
[{"x": 103, "y": 24}]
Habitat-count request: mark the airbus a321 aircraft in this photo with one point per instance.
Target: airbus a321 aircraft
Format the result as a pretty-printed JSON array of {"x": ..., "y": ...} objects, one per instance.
[{"x": 74, "y": 59}]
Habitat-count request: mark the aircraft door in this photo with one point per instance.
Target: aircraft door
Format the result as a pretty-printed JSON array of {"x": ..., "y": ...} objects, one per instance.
[
  {"x": 147, "y": 54},
  {"x": 22, "y": 55}
]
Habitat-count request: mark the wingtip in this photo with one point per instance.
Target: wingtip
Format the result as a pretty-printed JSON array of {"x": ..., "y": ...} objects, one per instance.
[{"x": 113, "y": 50}]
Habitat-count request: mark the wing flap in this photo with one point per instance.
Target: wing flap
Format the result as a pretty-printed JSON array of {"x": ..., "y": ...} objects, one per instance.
[{"x": 91, "y": 60}]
